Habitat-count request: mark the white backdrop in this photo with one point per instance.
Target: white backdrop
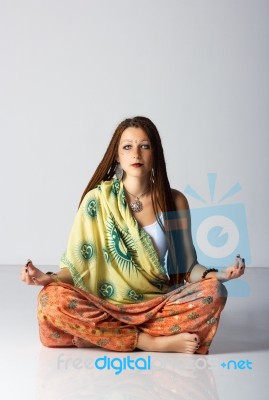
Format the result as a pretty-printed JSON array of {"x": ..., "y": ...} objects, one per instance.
[{"x": 71, "y": 70}]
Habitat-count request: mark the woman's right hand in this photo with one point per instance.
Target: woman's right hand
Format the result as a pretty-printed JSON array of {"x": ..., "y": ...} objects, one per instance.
[{"x": 33, "y": 276}]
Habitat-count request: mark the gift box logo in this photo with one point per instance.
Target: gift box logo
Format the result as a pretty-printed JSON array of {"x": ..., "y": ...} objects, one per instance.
[{"x": 219, "y": 231}]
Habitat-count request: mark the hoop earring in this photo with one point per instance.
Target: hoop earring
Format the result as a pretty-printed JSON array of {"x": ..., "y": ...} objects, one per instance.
[{"x": 119, "y": 172}]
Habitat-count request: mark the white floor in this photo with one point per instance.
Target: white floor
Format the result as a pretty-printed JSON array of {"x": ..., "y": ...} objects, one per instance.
[{"x": 30, "y": 371}]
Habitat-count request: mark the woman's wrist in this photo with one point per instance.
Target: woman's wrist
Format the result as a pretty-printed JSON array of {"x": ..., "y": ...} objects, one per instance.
[
  {"x": 199, "y": 272},
  {"x": 54, "y": 277},
  {"x": 63, "y": 275},
  {"x": 214, "y": 273},
  {"x": 208, "y": 271},
  {"x": 220, "y": 275}
]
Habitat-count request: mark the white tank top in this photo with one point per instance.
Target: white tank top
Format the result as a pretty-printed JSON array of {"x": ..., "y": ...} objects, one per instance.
[{"x": 158, "y": 239}]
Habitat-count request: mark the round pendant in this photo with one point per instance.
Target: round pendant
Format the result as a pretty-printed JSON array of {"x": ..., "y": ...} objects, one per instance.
[{"x": 136, "y": 206}]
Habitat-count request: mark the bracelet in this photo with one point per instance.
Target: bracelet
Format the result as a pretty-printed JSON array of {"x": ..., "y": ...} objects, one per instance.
[
  {"x": 209, "y": 270},
  {"x": 57, "y": 279}
]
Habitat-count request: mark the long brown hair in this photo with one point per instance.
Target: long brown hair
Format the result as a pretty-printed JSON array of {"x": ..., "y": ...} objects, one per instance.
[
  {"x": 162, "y": 198},
  {"x": 160, "y": 189}
]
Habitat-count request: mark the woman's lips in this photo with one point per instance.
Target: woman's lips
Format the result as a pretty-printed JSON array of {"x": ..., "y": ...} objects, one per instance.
[{"x": 137, "y": 165}]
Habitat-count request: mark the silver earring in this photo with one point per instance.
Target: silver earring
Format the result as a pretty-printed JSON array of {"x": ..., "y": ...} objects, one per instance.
[
  {"x": 119, "y": 172},
  {"x": 152, "y": 175}
]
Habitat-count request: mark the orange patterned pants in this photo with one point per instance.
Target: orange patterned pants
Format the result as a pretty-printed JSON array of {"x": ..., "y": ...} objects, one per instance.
[{"x": 65, "y": 312}]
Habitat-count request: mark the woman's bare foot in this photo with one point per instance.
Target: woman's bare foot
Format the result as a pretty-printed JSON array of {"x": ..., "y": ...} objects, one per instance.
[
  {"x": 180, "y": 343},
  {"x": 78, "y": 342}
]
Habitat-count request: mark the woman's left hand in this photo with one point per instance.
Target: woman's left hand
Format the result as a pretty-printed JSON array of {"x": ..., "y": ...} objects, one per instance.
[{"x": 234, "y": 271}]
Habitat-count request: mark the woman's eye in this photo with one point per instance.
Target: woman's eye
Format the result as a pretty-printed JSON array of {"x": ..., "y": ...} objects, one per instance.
[{"x": 143, "y": 146}]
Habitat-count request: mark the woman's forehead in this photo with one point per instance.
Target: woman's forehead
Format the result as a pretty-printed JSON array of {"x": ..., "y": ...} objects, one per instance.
[{"x": 135, "y": 135}]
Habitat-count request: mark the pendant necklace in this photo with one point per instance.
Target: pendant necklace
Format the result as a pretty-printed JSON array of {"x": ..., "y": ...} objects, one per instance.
[{"x": 136, "y": 205}]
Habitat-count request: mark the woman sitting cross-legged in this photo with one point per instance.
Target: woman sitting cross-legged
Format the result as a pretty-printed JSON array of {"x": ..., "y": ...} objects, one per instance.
[{"x": 129, "y": 277}]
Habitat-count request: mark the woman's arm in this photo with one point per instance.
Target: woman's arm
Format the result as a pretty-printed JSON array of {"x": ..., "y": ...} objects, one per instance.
[
  {"x": 232, "y": 272},
  {"x": 34, "y": 276},
  {"x": 182, "y": 259},
  {"x": 195, "y": 271}
]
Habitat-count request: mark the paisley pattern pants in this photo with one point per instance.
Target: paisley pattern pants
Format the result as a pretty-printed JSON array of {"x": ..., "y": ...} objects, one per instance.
[{"x": 65, "y": 312}]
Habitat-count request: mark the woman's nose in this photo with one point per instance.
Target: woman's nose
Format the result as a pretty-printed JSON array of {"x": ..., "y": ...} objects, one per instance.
[{"x": 136, "y": 152}]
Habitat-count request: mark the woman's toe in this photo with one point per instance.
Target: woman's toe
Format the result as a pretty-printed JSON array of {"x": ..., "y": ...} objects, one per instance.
[{"x": 196, "y": 338}]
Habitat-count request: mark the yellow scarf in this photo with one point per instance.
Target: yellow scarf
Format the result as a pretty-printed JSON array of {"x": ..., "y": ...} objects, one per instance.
[{"x": 109, "y": 254}]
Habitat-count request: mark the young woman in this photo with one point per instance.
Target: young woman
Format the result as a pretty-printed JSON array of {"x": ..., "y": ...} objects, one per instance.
[{"x": 130, "y": 277}]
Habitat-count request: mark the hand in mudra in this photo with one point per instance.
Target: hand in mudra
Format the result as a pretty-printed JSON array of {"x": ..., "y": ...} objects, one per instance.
[
  {"x": 235, "y": 270},
  {"x": 33, "y": 276}
]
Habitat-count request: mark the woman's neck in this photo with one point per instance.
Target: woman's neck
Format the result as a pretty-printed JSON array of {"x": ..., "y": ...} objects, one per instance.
[{"x": 136, "y": 186}]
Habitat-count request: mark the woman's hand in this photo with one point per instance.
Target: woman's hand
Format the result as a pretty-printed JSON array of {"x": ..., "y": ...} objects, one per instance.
[
  {"x": 33, "y": 276},
  {"x": 234, "y": 271}
]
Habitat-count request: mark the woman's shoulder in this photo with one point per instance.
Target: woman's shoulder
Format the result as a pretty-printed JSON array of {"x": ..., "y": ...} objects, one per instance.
[
  {"x": 103, "y": 188},
  {"x": 92, "y": 194},
  {"x": 180, "y": 200}
]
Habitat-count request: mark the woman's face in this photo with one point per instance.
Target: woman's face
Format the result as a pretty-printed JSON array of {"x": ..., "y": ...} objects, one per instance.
[{"x": 135, "y": 153}]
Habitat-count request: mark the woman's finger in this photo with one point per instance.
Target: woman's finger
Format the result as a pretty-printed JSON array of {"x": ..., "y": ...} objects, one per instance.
[
  {"x": 24, "y": 274},
  {"x": 24, "y": 269},
  {"x": 28, "y": 262},
  {"x": 242, "y": 265},
  {"x": 34, "y": 280},
  {"x": 238, "y": 261},
  {"x": 32, "y": 270},
  {"x": 28, "y": 273}
]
